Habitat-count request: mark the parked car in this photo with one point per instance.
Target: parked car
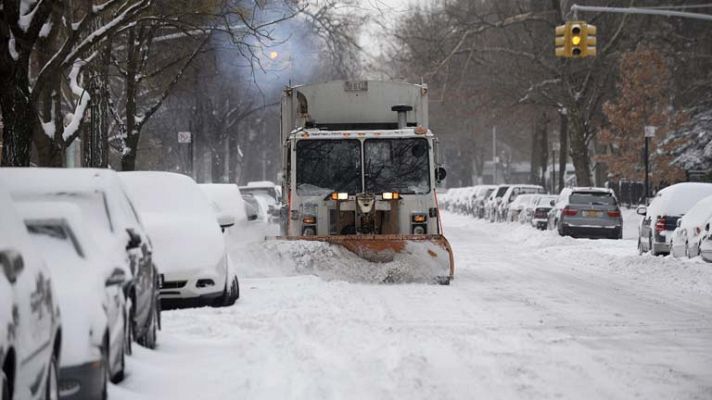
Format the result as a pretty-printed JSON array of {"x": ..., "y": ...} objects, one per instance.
[
  {"x": 493, "y": 202},
  {"x": 190, "y": 251},
  {"x": 479, "y": 198},
  {"x": 660, "y": 217},
  {"x": 510, "y": 195},
  {"x": 515, "y": 209},
  {"x": 252, "y": 207},
  {"x": 90, "y": 296},
  {"x": 587, "y": 212},
  {"x": 687, "y": 236},
  {"x": 31, "y": 337},
  {"x": 540, "y": 211},
  {"x": 117, "y": 229},
  {"x": 706, "y": 244},
  {"x": 267, "y": 193}
]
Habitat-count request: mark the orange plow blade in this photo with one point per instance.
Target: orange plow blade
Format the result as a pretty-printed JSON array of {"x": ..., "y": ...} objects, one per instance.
[{"x": 427, "y": 256}]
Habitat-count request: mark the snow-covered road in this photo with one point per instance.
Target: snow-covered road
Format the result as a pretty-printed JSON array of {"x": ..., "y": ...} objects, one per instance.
[{"x": 529, "y": 315}]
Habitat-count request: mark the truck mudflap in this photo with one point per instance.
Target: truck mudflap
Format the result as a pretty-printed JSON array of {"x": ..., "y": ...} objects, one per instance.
[{"x": 430, "y": 253}]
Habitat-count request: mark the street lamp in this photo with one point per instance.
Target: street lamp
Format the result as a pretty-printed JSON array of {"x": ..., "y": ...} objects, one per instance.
[{"x": 649, "y": 133}]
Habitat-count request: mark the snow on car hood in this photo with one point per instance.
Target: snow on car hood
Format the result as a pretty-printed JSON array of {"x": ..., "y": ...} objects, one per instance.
[{"x": 184, "y": 243}]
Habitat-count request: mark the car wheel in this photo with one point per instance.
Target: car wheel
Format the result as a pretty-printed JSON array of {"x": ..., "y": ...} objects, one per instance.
[
  {"x": 233, "y": 294},
  {"x": 640, "y": 247},
  {"x": 119, "y": 375},
  {"x": 150, "y": 337},
  {"x": 687, "y": 250},
  {"x": 105, "y": 366},
  {"x": 52, "y": 387},
  {"x": 4, "y": 386},
  {"x": 130, "y": 328},
  {"x": 651, "y": 248}
]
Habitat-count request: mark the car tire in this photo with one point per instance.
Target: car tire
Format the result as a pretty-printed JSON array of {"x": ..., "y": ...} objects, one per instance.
[
  {"x": 106, "y": 370},
  {"x": 640, "y": 247},
  {"x": 52, "y": 386},
  {"x": 4, "y": 386},
  {"x": 119, "y": 375},
  {"x": 233, "y": 293},
  {"x": 150, "y": 337},
  {"x": 653, "y": 252},
  {"x": 129, "y": 336}
]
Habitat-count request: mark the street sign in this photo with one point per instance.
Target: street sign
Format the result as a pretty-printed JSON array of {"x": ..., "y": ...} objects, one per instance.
[
  {"x": 184, "y": 137},
  {"x": 650, "y": 131}
]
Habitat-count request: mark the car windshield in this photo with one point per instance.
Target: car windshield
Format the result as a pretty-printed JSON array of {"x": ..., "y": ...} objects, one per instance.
[
  {"x": 593, "y": 198},
  {"x": 399, "y": 165},
  {"x": 328, "y": 165}
]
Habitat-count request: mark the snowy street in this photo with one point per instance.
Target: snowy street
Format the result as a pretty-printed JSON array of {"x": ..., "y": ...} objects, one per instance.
[{"x": 529, "y": 315}]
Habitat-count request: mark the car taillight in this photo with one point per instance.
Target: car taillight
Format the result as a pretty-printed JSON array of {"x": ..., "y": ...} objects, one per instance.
[
  {"x": 570, "y": 212},
  {"x": 660, "y": 224},
  {"x": 614, "y": 214}
]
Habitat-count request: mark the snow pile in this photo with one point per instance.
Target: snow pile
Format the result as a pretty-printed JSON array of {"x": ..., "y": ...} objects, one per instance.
[
  {"x": 333, "y": 262},
  {"x": 608, "y": 257}
]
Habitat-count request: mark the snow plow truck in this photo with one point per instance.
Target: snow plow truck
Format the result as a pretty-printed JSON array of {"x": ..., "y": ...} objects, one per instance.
[{"x": 359, "y": 169}]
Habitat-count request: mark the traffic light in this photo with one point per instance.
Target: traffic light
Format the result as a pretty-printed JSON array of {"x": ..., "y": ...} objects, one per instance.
[{"x": 575, "y": 39}]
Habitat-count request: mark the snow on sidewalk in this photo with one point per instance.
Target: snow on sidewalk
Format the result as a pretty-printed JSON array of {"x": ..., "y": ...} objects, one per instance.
[{"x": 529, "y": 315}]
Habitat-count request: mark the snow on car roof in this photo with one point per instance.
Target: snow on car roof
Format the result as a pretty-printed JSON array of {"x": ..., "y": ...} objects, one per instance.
[
  {"x": 591, "y": 189},
  {"x": 165, "y": 193},
  {"x": 699, "y": 214},
  {"x": 226, "y": 198},
  {"x": 58, "y": 179},
  {"x": 261, "y": 184},
  {"x": 677, "y": 199}
]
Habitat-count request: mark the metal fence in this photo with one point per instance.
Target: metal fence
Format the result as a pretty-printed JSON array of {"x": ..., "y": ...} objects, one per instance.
[{"x": 628, "y": 193}]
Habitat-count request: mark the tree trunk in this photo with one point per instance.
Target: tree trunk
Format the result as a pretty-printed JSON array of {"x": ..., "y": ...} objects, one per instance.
[
  {"x": 579, "y": 148},
  {"x": 128, "y": 159},
  {"x": 564, "y": 146},
  {"x": 19, "y": 117}
]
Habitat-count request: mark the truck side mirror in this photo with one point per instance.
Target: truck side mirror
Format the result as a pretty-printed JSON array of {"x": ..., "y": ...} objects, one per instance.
[
  {"x": 12, "y": 264},
  {"x": 440, "y": 174}
]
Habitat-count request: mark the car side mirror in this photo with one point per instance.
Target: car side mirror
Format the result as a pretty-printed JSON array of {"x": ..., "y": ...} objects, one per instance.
[
  {"x": 642, "y": 210},
  {"x": 252, "y": 217},
  {"x": 440, "y": 174},
  {"x": 134, "y": 239},
  {"x": 679, "y": 222},
  {"x": 552, "y": 203},
  {"x": 226, "y": 220},
  {"x": 12, "y": 264},
  {"x": 118, "y": 277}
]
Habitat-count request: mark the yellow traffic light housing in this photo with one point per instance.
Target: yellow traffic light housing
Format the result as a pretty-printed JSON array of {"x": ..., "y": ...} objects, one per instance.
[{"x": 575, "y": 39}]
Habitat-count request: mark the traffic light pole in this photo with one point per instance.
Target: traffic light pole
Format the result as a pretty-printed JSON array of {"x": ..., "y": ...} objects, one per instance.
[{"x": 644, "y": 11}]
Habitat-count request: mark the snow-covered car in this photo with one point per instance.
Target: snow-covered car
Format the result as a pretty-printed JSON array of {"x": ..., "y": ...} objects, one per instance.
[
  {"x": 91, "y": 299},
  {"x": 687, "y": 236},
  {"x": 515, "y": 209},
  {"x": 30, "y": 338},
  {"x": 706, "y": 244},
  {"x": 660, "y": 217},
  {"x": 493, "y": 202},
  {"x": 540, "y": 211},
  {"x": 510, "y": 195},
  {"x": 252, "y": 207},
  {"x": 189, "y": 248},
  {"x": 268, "y": 194},
  {"x": 479, "y": 198},
  {"x": 587, "y": 212},
  {"x": 115, "y": 225}
]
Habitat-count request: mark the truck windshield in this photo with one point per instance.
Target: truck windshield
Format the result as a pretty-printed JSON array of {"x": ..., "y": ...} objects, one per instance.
[
  {"x": 400, "y": 165},
  {"x": 328, "y": 165}
]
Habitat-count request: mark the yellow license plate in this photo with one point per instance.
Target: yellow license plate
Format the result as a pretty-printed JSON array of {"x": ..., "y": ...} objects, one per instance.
[{"x": 592, "y": 214}]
